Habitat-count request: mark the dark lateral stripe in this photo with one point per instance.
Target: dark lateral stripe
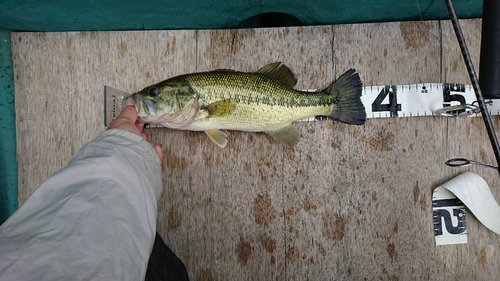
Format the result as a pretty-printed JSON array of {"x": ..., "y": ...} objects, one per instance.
[{"x": 447, "y": 203}]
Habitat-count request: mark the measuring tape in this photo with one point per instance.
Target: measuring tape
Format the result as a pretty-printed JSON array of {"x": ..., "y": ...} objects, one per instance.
[
  {"x": 448, "y": 208},
  {"x": 448, "y": 214},
  {"x": 424, "y": 99},
  {"x": 412, "y": 100},
  {"x": 421, "y": 100}
]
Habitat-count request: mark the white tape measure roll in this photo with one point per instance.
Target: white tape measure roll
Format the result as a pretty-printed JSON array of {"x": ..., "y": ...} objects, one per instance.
[{"x": 448, "y": 205}]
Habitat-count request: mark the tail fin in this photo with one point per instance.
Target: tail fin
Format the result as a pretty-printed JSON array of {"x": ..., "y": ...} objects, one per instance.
[{"x": 346, "y": 91}]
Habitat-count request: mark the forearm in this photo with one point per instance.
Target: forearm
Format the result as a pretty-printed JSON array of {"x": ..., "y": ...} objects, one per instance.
[{"x": 95, "y": 218}]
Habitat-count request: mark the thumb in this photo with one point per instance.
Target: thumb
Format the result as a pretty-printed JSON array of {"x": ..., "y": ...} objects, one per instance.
[
  {"x": 129, "y": 113},
  {"x": 126, "y": 119}
]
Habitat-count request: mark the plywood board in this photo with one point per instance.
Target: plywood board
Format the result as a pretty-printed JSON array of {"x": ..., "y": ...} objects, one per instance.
[{"x": 347, "y": 203}]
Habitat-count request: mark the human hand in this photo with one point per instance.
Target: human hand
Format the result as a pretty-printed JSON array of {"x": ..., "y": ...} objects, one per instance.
[{"x": 127, "y": 120}]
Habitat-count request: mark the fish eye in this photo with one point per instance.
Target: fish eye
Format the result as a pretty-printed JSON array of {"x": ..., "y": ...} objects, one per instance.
[{"x": 153, "y": 91}]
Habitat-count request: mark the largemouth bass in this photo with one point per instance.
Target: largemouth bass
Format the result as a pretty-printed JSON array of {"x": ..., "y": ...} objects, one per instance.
[{"x": 261, "y": 101}]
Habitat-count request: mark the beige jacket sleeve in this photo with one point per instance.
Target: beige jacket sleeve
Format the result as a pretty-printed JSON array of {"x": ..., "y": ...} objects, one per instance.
[{"x": 94, "y": 219}]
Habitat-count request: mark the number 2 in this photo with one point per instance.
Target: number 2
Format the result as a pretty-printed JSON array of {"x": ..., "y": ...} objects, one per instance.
[{"x": 445, "y": 214}]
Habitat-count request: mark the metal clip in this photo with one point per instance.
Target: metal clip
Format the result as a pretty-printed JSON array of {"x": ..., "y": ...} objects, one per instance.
[
  {"x": 462, "y": 162},
  {"x": 478, "y": 110},
  {"x": 469, "y": 110}
]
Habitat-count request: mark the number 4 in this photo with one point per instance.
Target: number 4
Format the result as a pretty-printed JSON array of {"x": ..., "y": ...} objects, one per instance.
[{"x": 393, "y": 106}]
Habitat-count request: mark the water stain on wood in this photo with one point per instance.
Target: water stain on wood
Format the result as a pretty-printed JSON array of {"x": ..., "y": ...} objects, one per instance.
[
  {"x": 263, "y": 210},
  {"x": 173, "y": 160},
  {"x": 247, "y": 166},
  {"x": 415, "y": 34},
  {"x": 268, "y": 243},
  {"x": 391, "y": 250},
  {"x": 481, "y": 257},
  {"x": 290, "y": 212},
  {"x": 243, "y": 251},
  {"x": 416, "y": 192},
  {"x": 172, "y": 44},
  {"x": 264, "y": 167},
  {"x": 204, "y": 274},
  {"x": 308, "y": 205},
  {"x": 321, "y": 249},
  {"x": 335, "y": 144},
  {"x": 483, "y": 156},
  {"x": 419, "y": 198},
  {"x": 292, "y": 254},
  {"x": 383, "y": 141},
  {"x": 423, "y": 203},
  {"x": 208, "y": 158},
  {"x": 123, "y": 49},
  {"x": 333, "y": 226},
  {"x": 174, "y": 219},
  {"x": 289, "y": 154}
]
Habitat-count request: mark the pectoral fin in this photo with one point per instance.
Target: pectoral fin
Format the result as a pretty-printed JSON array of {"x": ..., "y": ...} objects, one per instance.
[
  {"x": 221, "y": 108},
  {"x": 288, "y": 135},
  {"x": 218, "y": 136}
]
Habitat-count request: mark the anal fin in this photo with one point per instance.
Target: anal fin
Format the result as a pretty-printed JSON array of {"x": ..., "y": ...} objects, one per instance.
[
  {"x": 218, "y": 137},
  {"x": 288, "y": 135}
]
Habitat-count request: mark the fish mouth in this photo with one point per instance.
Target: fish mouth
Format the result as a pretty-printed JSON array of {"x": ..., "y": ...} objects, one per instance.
[
  {"x": 146, "y": 109},
  {"x": 137, "y": 101}
]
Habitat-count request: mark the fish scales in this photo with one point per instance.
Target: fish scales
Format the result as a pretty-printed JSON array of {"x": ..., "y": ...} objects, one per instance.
[{"x": 258, "y": 99}]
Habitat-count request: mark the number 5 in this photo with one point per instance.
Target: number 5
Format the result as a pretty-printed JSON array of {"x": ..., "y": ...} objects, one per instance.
[{"x": 448, "y": 97}]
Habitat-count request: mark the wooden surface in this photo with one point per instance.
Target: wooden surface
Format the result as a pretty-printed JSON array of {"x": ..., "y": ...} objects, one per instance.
[{"x": 348, "y": 203}]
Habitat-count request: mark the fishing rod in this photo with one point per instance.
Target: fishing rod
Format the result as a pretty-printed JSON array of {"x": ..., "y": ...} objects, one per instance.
[{"x": 470, "y": 68}]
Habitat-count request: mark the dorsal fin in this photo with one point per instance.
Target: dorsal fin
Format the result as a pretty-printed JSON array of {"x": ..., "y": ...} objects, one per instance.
[
  {"x": 225, "y": 70},
  {"x": 280, "y": 72}
]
